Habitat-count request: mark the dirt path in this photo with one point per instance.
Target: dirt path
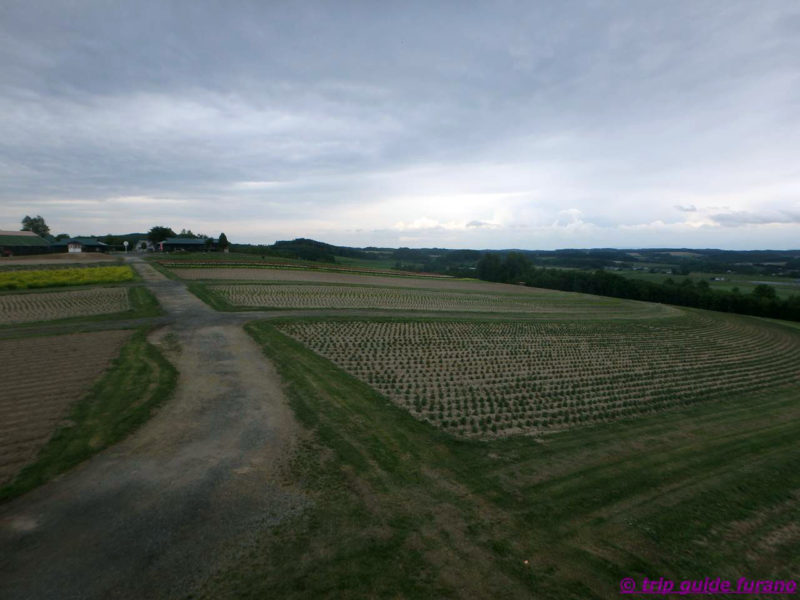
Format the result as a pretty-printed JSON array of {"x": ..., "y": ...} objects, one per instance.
[{"x": 149, "y": 517}]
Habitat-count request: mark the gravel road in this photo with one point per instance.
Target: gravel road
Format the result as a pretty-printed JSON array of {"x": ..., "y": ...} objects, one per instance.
[{"x": 153, "y": 515}]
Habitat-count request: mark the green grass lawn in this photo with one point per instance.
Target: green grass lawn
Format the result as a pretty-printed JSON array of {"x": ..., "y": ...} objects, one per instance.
[{"x": 401, "y": 510}]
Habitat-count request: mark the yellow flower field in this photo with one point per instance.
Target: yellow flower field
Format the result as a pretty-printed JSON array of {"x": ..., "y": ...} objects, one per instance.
[{"x": 20, "y": 280}]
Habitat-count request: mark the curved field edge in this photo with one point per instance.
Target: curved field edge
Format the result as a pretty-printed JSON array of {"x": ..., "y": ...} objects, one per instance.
[
  {"x": 599, "y": 307},
  {"x": 124, "y": 397},
  {"x": 143, "y": 304},
  {"x": 403, "y": 510},
  {"x": 478, "y": 378}
]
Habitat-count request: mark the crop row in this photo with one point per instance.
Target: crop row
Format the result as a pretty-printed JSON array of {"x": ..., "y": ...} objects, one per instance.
[
  {"x": 266, "y": 264},
  {"x": 20, "y": 280},
  {"x": 365, "y": 297},
  {"x": 480, "y": 379},
  {"x": 46, "y": 306}
]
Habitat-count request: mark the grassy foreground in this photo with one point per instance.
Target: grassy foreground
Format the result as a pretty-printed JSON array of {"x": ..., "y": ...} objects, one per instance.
[
  {"x": 404, "y": 511},
  {"x": 122, "y": 399}
]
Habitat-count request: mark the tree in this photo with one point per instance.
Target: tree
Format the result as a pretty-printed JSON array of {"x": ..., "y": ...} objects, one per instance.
[
  {"x": 223, "y": 243},
  {"x": 159, "y": 234},
  {"x": 762, "y": 290},
  {"x": 62, "y": 236},
  {"x": 515, "y": 267},
  {"x": 489, "y": 267},
  {"x": 111, "y": 240},
  {"x": 36, "y": 225}
]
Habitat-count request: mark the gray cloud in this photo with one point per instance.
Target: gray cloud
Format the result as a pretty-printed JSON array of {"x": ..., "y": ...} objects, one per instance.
[
  {"x": 369, "y": 115},
  {"x": 690, "y": 208},
  {"x": 740, "y": 218}
]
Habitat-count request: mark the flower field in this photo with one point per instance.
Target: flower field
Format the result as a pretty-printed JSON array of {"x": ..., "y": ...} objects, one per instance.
[
  {"x": 387, "y": 298},
  {"x": 40, "y": 278},
  {"x": 490, "y": 379},
  {"x": 46, "y": 306}
]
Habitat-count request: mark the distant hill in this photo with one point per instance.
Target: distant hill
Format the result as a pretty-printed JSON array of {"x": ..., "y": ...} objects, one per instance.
[{"x": 305, "y": 249}]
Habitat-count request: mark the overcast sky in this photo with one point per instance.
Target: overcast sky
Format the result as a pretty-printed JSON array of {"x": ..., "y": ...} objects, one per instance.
[{"x": 455, "y": 124}]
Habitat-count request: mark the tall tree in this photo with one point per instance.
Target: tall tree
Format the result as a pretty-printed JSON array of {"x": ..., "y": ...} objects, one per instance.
[
  {"x": 159, "y": 234},
  {"x": 36, "y": 225},
  {"x": 223, "y": 243}
]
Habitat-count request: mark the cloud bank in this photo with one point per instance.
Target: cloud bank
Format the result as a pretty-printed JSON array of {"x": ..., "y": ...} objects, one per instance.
[{"x": 533, "y": 125}]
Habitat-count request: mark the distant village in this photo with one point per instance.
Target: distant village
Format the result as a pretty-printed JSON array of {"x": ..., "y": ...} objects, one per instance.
[{"x": 35, "y": 238}]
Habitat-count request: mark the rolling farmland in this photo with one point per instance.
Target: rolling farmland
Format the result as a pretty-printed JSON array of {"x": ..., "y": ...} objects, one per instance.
[
  {"x": 41, "y": 378},
  {"x": 484, "y": 379},
  {"x": 530, "y": 443},
  {"x": 45, "y": 306}
]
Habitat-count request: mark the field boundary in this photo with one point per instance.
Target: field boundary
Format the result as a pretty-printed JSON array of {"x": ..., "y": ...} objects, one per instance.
[
  {"x": 143, "y": 305},
  {"x": 403, "y": 509},
  {"x": 121, "y": 400}
]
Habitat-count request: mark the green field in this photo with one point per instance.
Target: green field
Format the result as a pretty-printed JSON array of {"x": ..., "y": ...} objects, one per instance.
[
  {"x": 547, "y": 455},
  {"x": 404, "y": 510},
  {"x": 784, "y": 287},
  {"x": 465, "y": 439}
]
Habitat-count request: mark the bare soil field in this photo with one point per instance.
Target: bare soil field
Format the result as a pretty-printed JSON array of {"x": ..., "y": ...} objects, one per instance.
[
  {"x": 48, "y": 306},
  {"x": 363, "y": 297},
  {"x": 41, "y": 377},
  {"x": 488, "y": 379}
]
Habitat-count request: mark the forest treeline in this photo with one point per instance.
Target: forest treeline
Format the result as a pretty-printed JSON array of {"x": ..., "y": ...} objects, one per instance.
[{"x": 762, "y": 301}]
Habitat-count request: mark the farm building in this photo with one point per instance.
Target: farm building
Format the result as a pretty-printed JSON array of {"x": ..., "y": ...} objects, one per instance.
[
  {"x": 86, "y": 245},
  {"x": 187, "y": 244},
  {"x": 22, "y": 242}
]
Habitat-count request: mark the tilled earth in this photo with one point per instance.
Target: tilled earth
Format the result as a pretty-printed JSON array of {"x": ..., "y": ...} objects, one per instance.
[{"x": 35, "y": 399}]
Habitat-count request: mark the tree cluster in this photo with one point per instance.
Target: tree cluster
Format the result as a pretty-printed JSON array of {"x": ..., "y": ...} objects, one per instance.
[
  {"x": 762, "y": 301},
  {"x": 36, "y": 225}
]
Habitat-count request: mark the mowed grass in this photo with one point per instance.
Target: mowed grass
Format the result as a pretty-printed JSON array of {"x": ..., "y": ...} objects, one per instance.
[
  {"x": 138, "y": 381},
  {"x": 402, "y": 510}
]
